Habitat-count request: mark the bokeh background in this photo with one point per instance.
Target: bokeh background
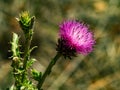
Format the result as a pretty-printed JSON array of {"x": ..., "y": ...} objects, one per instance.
[{"x": 100, "y": 70}]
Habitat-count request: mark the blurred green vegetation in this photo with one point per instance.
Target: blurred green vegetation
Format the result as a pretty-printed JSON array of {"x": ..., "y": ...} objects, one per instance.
[{"x": 100, "y": 70}]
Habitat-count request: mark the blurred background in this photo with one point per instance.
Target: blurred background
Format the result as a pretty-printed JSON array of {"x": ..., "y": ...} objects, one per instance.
[{"x": 100, "y": 70}]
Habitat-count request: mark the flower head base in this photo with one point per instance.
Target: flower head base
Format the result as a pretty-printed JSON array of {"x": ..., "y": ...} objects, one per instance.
[{"x": 74, "y": 37}]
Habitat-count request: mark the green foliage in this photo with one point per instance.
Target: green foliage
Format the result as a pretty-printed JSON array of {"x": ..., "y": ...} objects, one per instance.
[
  {"x": 30, "y": 62},
  {"x": 15, "y": 45},
  {"x": 36, "y": 75},
  {"x": 21, "y": 65}
]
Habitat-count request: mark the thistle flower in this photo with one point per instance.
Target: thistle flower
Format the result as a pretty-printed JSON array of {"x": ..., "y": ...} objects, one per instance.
[{"x": 74, "y": 38}]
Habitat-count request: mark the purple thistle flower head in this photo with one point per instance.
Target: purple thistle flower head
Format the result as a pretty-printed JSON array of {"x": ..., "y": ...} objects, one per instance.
[{"x": 74, "y": 37}]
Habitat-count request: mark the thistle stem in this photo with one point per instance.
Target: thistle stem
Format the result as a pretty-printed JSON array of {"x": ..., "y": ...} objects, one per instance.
[
  {"x": 48, "y": 70},
  {"x": 26, "y": 53}
]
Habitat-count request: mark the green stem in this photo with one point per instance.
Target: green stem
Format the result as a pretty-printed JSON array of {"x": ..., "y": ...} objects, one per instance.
[
  {"x": 48, "y": 70},
  {"x": 26, "y": 53}
]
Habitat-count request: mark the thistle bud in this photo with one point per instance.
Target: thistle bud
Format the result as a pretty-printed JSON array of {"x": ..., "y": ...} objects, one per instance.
[{"x": 26, "y": 21}]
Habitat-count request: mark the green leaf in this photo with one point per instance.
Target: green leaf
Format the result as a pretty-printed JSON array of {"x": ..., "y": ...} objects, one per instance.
[
  {"x": 32, "y": 49},
  {"x": 36, "y": 75},
  {"x": 30, "y": 62},
  {"x": 15, "y": 45}
]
